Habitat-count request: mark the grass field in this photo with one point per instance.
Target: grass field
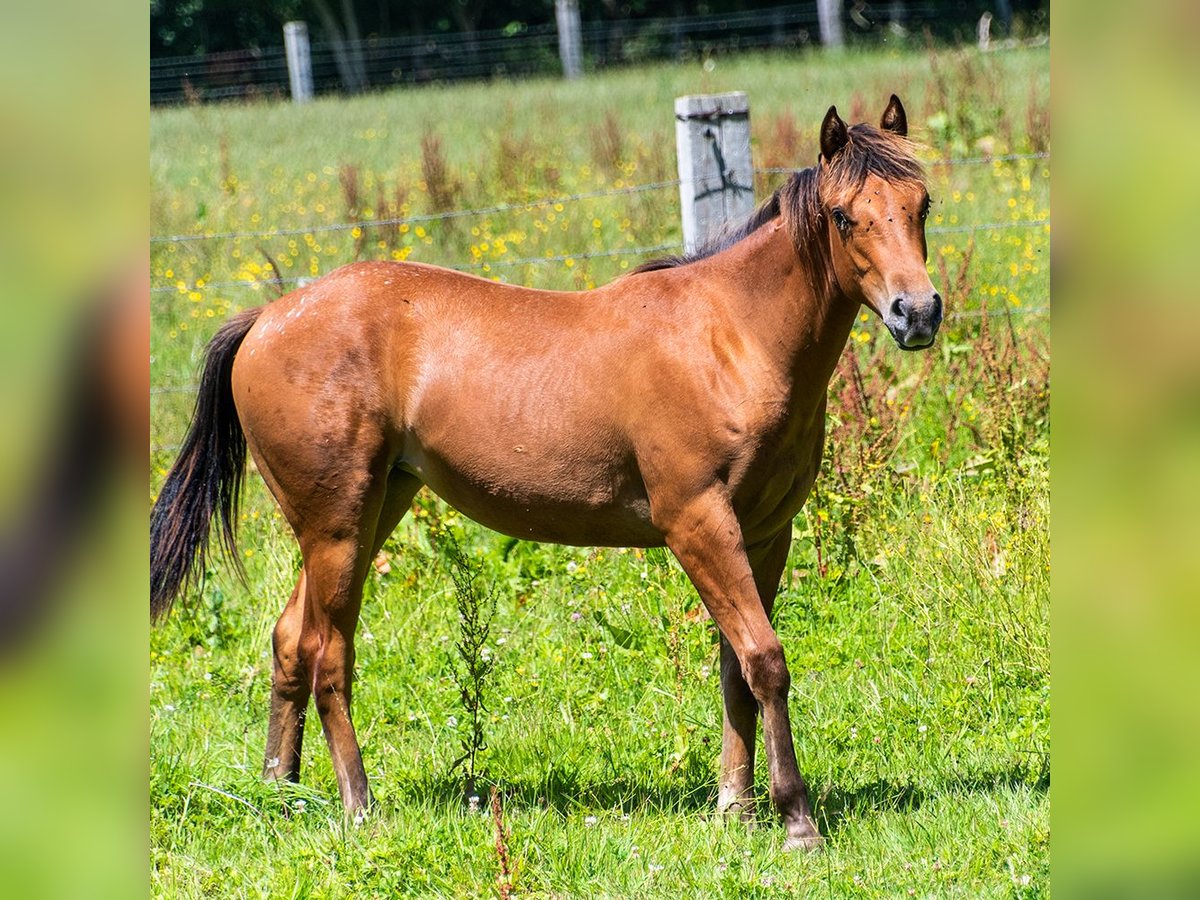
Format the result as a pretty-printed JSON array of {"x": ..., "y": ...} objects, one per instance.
[{"x": 914, "y": 608}]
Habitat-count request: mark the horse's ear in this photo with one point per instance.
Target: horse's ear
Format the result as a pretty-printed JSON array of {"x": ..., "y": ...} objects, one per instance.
[
  {"x": 833, "y": 134},
  {"x": 894, "y": 119}
]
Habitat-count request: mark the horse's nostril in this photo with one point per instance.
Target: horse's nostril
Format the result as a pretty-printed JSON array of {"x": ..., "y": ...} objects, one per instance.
[
  {"x": 937, "y": 305},
  {"x": 898, "y": 309}
]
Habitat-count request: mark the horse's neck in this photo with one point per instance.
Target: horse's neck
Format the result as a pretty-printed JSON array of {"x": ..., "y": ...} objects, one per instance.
[{"x": 800, "y": 319}]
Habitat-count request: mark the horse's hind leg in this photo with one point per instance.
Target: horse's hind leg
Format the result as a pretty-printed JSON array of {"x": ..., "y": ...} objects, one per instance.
[
  {"x": 334, "y": 569},
  {"x": 291, "y": 685},
  {"x": 336, "y": 561},
  {"x": 290, "y": 690}
]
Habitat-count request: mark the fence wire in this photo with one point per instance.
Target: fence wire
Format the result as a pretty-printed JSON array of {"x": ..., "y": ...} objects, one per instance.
[
  {"x": 935, "y": 162},
  {"x": 521, "y": 206},
  {"x": 418, "y": 219},
  {"x": 528, "y": 48},
  {"x": 539, "y": 260},
  {"x": 466, "y": 267}
]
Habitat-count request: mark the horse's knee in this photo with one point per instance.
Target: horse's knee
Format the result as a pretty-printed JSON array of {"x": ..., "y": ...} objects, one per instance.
[
  {"x": 766, "y": 672},
  {"x": 290, "y": 666},
  {"x": 328, "y": 660},
  {"x": 285, "y": 636}
]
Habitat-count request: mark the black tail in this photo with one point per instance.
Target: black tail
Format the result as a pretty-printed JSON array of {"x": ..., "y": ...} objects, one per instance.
[{"x": 206, "y": 478}]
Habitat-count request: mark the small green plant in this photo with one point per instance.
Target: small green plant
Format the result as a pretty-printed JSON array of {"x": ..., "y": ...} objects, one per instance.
[
  {"x": 1013, "y": 375},
  {"x": 966, "y": 111},
  {"x": 472, "y": 663}
]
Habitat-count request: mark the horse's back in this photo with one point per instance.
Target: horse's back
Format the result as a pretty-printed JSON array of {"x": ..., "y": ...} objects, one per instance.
[{"x": 510, "y": 403}]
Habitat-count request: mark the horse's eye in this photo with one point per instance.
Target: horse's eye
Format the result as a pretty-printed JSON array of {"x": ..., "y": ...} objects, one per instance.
[
  {"x": 925, "y": 210},
  {"x": 841, "y": 220}
]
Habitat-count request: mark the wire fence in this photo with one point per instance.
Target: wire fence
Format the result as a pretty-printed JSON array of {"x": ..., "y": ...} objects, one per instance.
[
  {"x": 528, "y": 205},
  {"x": 423, "y": 217},
  {"x": 466, "y": 267},
  {"x": 523, "y": 49},
  {"x": 563, "y": 257},
  {"x": 521, "y": 206}
]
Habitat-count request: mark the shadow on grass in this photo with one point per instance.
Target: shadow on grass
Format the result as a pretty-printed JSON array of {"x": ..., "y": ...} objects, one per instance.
[
  {"x": 836, "y": 805},
  {"x": 689, "y": 790},
  {"x": 693, "y": 790}
]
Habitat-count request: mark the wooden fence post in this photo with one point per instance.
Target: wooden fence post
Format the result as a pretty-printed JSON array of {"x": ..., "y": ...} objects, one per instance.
[
  {"x": 570, "y": 42},
  {"x": 299, "y": 61},
  {"x": 829, "y": 17},
  {"x": 716, "y": 175}
]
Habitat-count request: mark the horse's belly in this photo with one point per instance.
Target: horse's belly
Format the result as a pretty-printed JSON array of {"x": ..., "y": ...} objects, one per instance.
[{"x": 581, "y": 499}]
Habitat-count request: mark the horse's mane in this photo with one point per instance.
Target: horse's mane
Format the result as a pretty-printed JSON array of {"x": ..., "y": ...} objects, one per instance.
[{"x": 804, "y": 197}]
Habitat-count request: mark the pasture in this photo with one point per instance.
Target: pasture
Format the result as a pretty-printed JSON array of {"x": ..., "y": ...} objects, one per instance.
[{"x": 914, "y": 608}]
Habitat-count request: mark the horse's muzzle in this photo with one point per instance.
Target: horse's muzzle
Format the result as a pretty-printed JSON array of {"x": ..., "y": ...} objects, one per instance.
[{"x": 914, "y": 323}]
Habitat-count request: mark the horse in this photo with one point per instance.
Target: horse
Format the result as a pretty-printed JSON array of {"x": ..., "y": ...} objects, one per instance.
[{"x": 680, "y": 405}]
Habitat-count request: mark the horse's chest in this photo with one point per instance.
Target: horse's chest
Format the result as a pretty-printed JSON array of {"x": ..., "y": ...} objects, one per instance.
[{"x": 777, "y": 479}]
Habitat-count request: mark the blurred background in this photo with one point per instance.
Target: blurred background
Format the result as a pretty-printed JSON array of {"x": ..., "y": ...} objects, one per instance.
[
  {"x": 1126, "y": 438},
  {"x": 73, "y": 378}
]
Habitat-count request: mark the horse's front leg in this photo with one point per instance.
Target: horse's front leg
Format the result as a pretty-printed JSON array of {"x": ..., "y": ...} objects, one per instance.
[
  {"x": 706, "y": 538},
  {"x": 736, "y": 796}
]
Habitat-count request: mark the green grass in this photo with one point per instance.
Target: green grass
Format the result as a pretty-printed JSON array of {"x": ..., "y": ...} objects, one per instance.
[{"x": 917, "y": 636}]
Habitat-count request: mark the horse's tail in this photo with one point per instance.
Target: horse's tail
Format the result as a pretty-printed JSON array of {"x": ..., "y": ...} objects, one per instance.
[{"x": 206, "y": 478}]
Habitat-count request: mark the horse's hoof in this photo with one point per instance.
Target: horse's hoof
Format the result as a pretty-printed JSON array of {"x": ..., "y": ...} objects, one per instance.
[
  {"x": 738, "y": 811},
  {"x": 804, "y": 842}
]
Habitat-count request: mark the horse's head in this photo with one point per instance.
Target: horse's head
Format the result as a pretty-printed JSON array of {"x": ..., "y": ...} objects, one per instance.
[{"x": 872, "y": 191}]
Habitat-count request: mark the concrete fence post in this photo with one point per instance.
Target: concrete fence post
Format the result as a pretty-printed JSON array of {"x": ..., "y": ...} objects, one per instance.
[
  {"x": 570, "y": 37},
  {"x": 299, "y": 61},
  {"x": 716, "y": 174},
  {"x": 829, "y": 18}
]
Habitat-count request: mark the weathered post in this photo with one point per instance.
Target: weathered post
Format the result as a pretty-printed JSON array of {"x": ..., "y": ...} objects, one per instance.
[
  {"x": 570, "y": 40},
  {"x": 716, "y": 175},
  {"x": 299, "y": 61},
  {"x": 829, "y": 17}
]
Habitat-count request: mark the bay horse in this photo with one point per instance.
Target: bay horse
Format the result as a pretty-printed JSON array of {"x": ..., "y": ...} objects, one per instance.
[{"x": 681, "y": 405}]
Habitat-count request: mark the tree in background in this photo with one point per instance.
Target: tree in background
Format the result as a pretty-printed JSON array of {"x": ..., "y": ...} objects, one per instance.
[
  {"x": 345, "y": 36},
  {"x": 193, "y": 27}
]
